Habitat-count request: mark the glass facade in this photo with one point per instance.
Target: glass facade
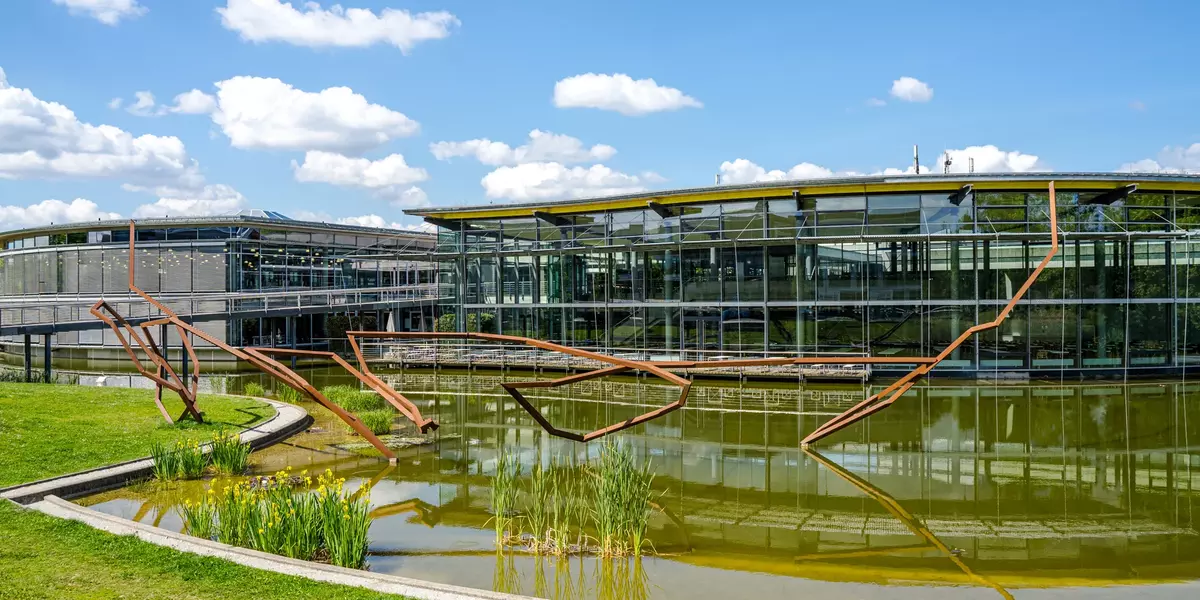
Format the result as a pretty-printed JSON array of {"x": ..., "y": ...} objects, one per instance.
[
  {"x": 241, "y": 264},
  {"x": 881, "y": 274}
]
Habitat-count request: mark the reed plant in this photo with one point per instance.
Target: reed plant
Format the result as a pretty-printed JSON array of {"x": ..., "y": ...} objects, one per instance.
[
  {"x": 191, "y": 459},
  {"x": 537, "y": 508},
  {"x": 620, "y": 501},
  {"x": 378, "y": 421},
  {"x": 253, "y": 389},
  {"x": 504, "y": 496},
  {"x": 166, "y": 462},
  {"x": 230, "y": 456},
  {"x": 351, "y": 399},
  {"x": 234, "y": 503},
  {"x": 289, "y": 394},
  {"x": 345, "y": 520},
  {"x": 199, "y": 517}
]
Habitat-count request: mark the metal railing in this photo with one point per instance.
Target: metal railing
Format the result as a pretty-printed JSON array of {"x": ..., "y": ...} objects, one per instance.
[{"x": 472, "y": 354}]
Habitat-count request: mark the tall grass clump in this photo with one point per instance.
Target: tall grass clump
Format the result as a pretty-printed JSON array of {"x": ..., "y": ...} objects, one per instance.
[
  {"x": 378, "y": 421},
  {"x": 166, "y": 462},
  {"x": 199, "y": 517},
  {"x": 184, "y": 459},
  {"x": 287, "y": 393},
  {"x": 351, "y": 399},
  {"x": 537, "y": 512},
  {"x": 253, "y": 389},
  {"x": 504, "y": 495},
  {"x": 275, "y": 515},
  {"x": 230, "y": 456},
  {"x": 620, "y": 501}
]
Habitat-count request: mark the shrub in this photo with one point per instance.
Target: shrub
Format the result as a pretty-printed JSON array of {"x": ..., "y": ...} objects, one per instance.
[
  {"x": 379, "y": 421},
  {"x": 253, "y": 389},
  {"x": 287, "y": 393},
  {"x": 166, "y": 462},
  {"x": 230, "y": 455}
]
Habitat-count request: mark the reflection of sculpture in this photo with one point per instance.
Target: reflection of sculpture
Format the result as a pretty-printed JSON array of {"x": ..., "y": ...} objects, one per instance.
[
  {"x": 931, "y": 542},
  {"x": 166, "y": 377}
]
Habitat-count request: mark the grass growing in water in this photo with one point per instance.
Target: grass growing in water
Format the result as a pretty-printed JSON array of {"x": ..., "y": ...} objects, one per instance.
[
  {"x": 378, "y": 421},
  {"x": 351, "y": 399},
  {"x": 183, "y": 459},
  {"x": 199, "y": 517},
  {"x": 272, "y": 516},
  {"x": 620, "y": 501},
  {"x": 229, "y": 455},
  {"x": 504, "y": 495},
  {"x": 253, "y": 389},
  {"x": 287, "y": 393},
  {"x": 166, "y": 462}
]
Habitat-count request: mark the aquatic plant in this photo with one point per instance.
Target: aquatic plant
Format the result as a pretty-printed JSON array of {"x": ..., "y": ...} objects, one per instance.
[
  {"x": 351, "y": 399},
  {"x": 253, "y": 389},
  {"x": 287, "y": 393},
  {"x": 620, "y": 501},
  {"x": 166, "y": 462},
  {"x": 345, "y": 521},
  {"x": 233, "y": 504},
  {"x": 378, "y": 421},
  {"x": 190, "y": 459},
  {"x": 199, "y": 517},
  {"x": 504, "y": 495},
  {"x": 230, "y": 456},
  {"x": 537, "y": 511}
]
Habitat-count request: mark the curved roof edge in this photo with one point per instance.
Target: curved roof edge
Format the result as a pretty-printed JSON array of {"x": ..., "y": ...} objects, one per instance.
[
  {"x": 826, "y": 186},
  {"x": 212, "y": 221}
]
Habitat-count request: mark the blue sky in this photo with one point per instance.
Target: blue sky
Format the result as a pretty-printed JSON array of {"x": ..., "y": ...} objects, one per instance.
[{"x": 789, "y": 88}]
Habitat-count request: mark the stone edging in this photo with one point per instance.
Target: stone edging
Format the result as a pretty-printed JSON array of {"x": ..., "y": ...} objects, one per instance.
[
  {"x": 412, "y": 588},
  {"x": 288, "y": 420}
]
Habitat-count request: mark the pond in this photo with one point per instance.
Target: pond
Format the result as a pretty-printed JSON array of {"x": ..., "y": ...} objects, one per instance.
[{"x": 961, "y": 489}]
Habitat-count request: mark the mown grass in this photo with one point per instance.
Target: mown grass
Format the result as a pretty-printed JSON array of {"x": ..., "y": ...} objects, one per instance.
[{"x": 48, "y": 430}]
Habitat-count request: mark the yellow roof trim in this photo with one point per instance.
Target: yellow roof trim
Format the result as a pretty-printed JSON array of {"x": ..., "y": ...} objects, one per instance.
[{"x": 586, "y": 206}]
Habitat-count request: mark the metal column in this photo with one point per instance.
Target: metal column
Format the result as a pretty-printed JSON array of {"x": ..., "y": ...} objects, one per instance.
[
  {"x": 183, "y": 359},
  {"x": 46, "y": 358},
  {"x": 291, "y": 335},
  {"x": 28, "y": 358}
]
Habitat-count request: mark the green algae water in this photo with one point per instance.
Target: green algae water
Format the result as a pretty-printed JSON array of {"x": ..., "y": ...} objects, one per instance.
[{"x": 959, "y": 490}]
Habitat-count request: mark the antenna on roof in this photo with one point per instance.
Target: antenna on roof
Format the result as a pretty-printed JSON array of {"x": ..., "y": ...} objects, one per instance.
[
  {"x": 946, "y": 164},
  {"x": 916, "y": 160},
  {"x": 970, "y": 164},
  {"x": 717, "y": 179}
]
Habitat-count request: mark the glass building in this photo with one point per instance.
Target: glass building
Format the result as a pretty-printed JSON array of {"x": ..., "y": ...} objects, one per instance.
[
  {"x": 879, "y": 266},
  {"x": 255, "y": 278}
]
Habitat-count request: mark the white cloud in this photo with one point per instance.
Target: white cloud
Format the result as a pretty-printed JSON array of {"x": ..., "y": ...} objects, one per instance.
[
  {"x": 875, "y": 102},
  {"x": 744, "y": 171},
  {"x": 143, "y": 104},
  {"x": 275, "y": 21},
  {"x": 910, "y": 89},
  {"x": 620, "y": 93},
  {"x": 217, "y": 199},
  {"x": 988, "y": 159},
  {"x": 109, "y": 12},
  {"x": 1171, "y": 159},
  {"x": 264, "y": 113},
  {"x": 551, "y": 180},
  {"x": 194, "y": 102},
  {"x": 40, "y": 139},
  {"x": 543, "y": 146},
  {"x": 385, "y": 177},
  {"x": 51, "y": 211},
  {"x": 115, "y": 103}
]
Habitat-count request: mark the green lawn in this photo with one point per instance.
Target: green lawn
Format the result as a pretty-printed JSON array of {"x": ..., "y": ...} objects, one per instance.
[{"x": 48, "y": 430}]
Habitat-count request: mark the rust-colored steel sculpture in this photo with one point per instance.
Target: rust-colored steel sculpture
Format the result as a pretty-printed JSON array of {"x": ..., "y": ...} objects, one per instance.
[
  {"x": 164, "y": 376},
  {"x": 878, "y": 402},
  {"x": 912, "y": 523}
]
